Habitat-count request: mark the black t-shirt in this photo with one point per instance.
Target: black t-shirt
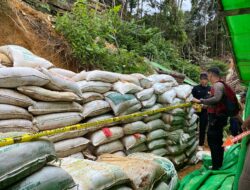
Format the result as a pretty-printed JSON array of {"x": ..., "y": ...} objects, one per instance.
[{"x": 200, "y": 91}]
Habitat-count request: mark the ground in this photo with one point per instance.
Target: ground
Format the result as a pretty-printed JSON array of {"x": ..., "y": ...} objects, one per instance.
[{"x": 188, "y": 169}]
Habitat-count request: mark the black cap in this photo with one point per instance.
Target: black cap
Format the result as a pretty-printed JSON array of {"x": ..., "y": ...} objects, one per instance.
[
  {"x": 203, "y": 76},
  {"x": 214, "y": 70}
]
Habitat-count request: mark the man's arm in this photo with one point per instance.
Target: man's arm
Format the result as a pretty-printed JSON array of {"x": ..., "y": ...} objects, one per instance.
[{"x": 218, "y": 93}]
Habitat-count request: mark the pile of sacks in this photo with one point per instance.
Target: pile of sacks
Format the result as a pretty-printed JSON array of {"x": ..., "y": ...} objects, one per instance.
[
  {"x": 33, "y": 166},
  {"x": 35, "y": 96},
  {"x": 25, "y": 166}
]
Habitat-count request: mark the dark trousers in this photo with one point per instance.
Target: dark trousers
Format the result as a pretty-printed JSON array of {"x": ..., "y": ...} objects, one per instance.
[
  {"x": 235, "y": 126},
  {"x": 203, "y": 126},
  {"x": 215, "y": 138},
  {"x": 244, "y": 182}
]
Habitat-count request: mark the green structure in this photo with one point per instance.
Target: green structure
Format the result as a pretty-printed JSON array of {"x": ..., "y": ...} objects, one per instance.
[{"x": 236, "y": 14}]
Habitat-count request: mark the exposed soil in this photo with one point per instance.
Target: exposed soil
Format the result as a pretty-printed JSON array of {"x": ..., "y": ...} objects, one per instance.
[
  {"x": 188, "y": 169},
  {"x": 24, "y": 26}
]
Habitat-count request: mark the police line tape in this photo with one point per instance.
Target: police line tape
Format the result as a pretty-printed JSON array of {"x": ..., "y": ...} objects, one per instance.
[{"x": 29, "y": 137}]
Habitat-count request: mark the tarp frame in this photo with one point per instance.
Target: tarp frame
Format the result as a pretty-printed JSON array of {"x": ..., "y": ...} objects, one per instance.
[{"x": 236, "y": 9}]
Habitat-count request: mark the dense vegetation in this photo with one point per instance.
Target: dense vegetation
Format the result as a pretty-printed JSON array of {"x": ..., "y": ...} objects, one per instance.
[{"x": 123, "y": 40}]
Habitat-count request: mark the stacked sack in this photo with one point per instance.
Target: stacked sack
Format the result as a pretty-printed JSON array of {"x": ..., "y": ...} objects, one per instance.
[
  {"x": 24, "y": 166},
  {"x": 44, "y": 98}
]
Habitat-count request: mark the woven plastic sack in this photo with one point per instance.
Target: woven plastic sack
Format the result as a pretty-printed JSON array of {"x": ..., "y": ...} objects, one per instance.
[
  {"x": 91, "y": 96},
  {"x": 144, "y": 81},
  {"x": 177, "y": 137},
  {"x": 67, "y": 135},
  {"x": 183, "y": 91},
  {"x": 160, "y": 88},
  {"x": 156, "y": 134},
  {"x": 155, "y": 144},
  {"x": 98, "y": 118},
  {"x": 43, "y": 94},
  {"x": 126, "y": 88},
  {"x": 145, "y": 94},
  {"x": 150, "y": 102},
  {"x": 192, "y": 149},
  {"x": 19, "y": 125},
  {"x": 106, "y": 135},
  {"x": 22, "y": 57},
  {"x": 178, "y": 160},
  {"x": 178, "y": 112},
  {"x": 56, "y": 120},
  {"x": 13, "y": 112},
  {"x": 71, "y": 146},
  {"x": 78, "y": 155},
  {"x": 63, "y": 72},
  {"x": 132, "y": 109},
  {"x": 132, "y": 141},
  {"x": 129, "y": 78},
  {"x": 61, "y": 83},
  {"x": 80, "y": 76},
  {"x": 161, "y": 78},
  {"x": 146, "y": 175},
  {"x": 13, "y": 77},
  {"x": 120, "y": 103},
  {"x": 157, "y": 124},
  {"x": 176, "y": 149},
  {"x": 173, "y": 120},
  {"x": 49, "y": 177},
  {"x": 167, "y": 97},
  {"x": 154, "y": 116},
  {"x": 170, "y": 177},
  {"x": 103, "y": 76},
  {"x": 41, "y": 108},
  {"x": 12, "y": 97},
  {"x": 23, "y": 159},
  {"x": 193, "y": 119},
  {"x": 91, "y": 175},
  {"x": 95, "y": 108},
  {"x": 136, "y": 127},
  {"x": 139, "y": 148},
  {"x": 159, "y": 152},
  {"x": 110, "y": 147},
  {"x": 91, "y": 86}
]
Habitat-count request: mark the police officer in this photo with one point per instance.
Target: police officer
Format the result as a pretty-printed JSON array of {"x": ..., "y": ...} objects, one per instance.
[{"x": 202, "y": 91}]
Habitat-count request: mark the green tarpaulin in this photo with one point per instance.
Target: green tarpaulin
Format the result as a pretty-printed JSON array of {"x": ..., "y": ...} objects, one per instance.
[
  {"x": 206, "y": 179},
  {"x": 237, "y": 17}
]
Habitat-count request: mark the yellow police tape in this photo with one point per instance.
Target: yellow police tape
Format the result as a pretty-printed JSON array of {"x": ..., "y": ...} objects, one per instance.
[{"x": 29, "y": 137}]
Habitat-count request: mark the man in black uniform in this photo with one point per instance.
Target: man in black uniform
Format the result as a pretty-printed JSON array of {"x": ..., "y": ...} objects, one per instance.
[{"x": 202, "y": 91}]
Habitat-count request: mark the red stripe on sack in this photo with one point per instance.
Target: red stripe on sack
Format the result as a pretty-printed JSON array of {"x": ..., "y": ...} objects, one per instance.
[
  {"x": 137, "y": 135},
  {"x": 107, "y": 132}
]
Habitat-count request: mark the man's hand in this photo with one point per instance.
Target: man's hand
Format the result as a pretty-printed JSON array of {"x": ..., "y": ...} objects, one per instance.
[{"x": 196, "y": 100}]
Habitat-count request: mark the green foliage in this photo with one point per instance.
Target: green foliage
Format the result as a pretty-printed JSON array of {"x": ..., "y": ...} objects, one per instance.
[
  {"x": 89, "y": 35},
  {"x": 107, "y": 42},
  {"x": 221, "y": 65}
]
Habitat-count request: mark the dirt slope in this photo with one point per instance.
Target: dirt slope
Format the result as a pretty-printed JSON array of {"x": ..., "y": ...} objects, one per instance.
[{"x": 24, "y": 26}]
